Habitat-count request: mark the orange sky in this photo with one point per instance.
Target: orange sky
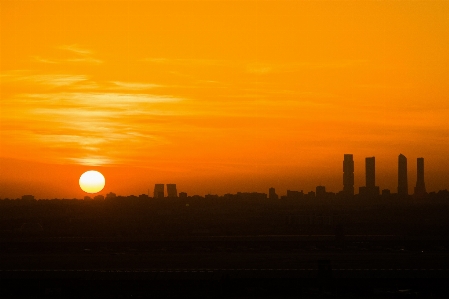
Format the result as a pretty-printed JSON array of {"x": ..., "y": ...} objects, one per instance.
[{"x": 220, "y": 96}]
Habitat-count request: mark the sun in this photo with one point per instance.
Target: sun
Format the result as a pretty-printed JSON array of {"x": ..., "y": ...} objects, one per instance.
[{"x": 92, "y": 181}]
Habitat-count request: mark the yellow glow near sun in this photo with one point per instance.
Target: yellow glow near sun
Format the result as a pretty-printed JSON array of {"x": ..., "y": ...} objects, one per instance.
[{"x": 92, "y": 181}]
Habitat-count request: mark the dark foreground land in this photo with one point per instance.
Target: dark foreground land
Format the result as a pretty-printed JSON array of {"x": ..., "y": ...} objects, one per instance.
[{"x": 72, "y": 249}]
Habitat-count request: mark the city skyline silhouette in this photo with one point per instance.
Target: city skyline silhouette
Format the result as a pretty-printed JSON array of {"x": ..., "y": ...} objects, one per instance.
[
  {"x": 227, "y": 97},
  {"x": 370, "y": 190}
]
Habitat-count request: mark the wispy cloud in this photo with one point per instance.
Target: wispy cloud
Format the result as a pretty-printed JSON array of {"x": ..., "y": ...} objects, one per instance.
[
  {"x": 57, "y": 80},
  {"x": 73, "y": 81},
  {"x": 133, "y": 85},
  {"x": 106, "y": 99},
  {"x": 77, "y": 54},
  {"x": 87, "y": 85},
  {"x": 76, "y": 49},
  {"x": 44, "y": 60},
  {"x": 188, "y": 61},
  {"x": 84, "y": 59},
  {"x": 74, "y": 139},
  {"x": 45, "y": 79},
  {"x": 259, "y": 69},
  {"x": 93, "y": 160},
  {"x": 84, "y": 121}
]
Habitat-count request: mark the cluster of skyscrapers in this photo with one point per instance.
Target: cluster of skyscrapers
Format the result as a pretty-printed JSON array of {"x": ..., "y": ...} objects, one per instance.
[
  {"x": 370, "y": 188},
  {"x": 159, "y": 191}
]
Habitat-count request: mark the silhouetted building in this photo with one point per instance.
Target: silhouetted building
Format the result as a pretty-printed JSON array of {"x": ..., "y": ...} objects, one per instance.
[
  {"x": 320, "y": 191},
  {"x": 311, "y": 195},
  {"x": 348, "y": 175},
  {"x": 402, "y": 176},
  {"x": 229, "y": 196},
  {"x": 99, "y": 197},
  {"x": 295, "y": 194},
  {"x": 272, "y": 193},
  {"x": 111, "y": 195},
  {"x": 159, "y": 191},
  {"x": 386, "y": 192},
  {"x": 171, "y": 190},
  {"x": 182, "y": 195},
  {"x": 211, "y": 196},
  {"x": 370, "y": 172},
  {"x": 420, "y": 189},
  {"x": 251, "y": 196},
  {"x": 370, "y": 188},
  {"x": 28, "y": 197}
]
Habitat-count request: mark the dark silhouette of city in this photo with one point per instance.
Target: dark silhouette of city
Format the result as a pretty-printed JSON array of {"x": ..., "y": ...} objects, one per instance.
[{"x": 371, "y": 244}]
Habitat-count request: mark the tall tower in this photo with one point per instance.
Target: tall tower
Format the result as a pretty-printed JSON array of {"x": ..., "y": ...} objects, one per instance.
[
  {"x": 420, "y": 188},
  {"x": 370, "y": 169},
  {"x": 402, "y": 176},
  {"x": 158, "y": 191},
  {"x": 171, "y": 190},
  {"x": 370, "y": 189},
  {"x": 348, "y": 175},
  {"x": 272, "y": 193}
]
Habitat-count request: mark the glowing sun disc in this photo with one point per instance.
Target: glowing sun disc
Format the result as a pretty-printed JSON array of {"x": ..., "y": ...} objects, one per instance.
[{"x": 92, "y": 181}]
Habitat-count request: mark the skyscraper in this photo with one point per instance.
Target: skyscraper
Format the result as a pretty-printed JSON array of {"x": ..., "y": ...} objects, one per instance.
[
  {"x": 272, "y": 193},
  {"x": 370, "y": 172},
  {"x": 370, "y": 189},
  {"x": 348, "y": 175},
  {"x": 402, "y": 176},
  {"x": 420, "y": 188},
  {"x": 171, "y": 190},
  {"x": 158, "y": 191}
]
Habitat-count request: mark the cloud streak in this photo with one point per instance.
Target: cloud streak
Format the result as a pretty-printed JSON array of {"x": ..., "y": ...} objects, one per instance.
[
  {"x": 133, "y": 85},
  {"x": 81, "y": 55},
  {"x": 56, "y": 80},
  {"x": 88, "y": 127},
  {"x": 76, "y": 49}
]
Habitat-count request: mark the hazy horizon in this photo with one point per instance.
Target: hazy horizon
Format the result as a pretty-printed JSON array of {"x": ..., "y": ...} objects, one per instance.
[{"x": 220, "y": 97}]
